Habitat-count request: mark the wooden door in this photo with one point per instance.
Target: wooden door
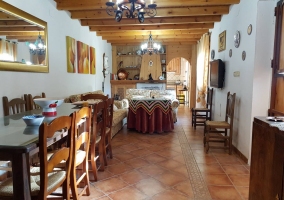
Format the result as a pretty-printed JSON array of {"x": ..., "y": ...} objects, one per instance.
[{"x": 277, "y": 86}]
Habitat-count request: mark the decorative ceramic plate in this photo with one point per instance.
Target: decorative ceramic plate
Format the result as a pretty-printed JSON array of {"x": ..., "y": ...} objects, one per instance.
[
  {"x": 237, "y": 39},
  {"x": 275, "y": 119}
]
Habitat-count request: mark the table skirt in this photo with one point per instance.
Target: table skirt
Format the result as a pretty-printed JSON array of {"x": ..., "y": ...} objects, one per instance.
[{"x": 158, "y": 121}]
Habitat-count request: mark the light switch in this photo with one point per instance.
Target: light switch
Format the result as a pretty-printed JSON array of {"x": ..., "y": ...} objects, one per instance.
[{"x": 236, "y": 73}]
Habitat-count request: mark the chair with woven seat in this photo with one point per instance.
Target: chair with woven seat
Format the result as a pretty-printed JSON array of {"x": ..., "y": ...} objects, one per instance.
[
  {"x": 200, "y": 115},
  {"x": 15, "y": 106},
  {"x": 46, "y": 179},
  {"x": 82, "y": 133},
  {"x": 94, "y": 97},
  {"x": 107, "y": 135},
  {"x": 97, "y": 145},
  {"x": 31, "y": 98},
  {"x": 217, "y": 131}
]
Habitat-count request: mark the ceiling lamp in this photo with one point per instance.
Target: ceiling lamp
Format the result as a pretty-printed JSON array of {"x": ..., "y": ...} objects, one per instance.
[
  {"x": 150, "y": 47},
  {"x": 38, "y": 47},
  {"x": 131, "y": 8}
]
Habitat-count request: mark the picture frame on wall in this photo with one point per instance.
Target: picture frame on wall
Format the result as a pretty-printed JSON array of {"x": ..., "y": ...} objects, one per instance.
[{"x": 222, "y": 41}]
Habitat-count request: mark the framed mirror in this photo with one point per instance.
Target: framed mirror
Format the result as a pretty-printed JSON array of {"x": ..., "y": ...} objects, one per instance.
[{"x": 23, "y": 41}]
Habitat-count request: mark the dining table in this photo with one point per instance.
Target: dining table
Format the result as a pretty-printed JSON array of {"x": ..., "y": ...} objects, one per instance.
[
  {"x": 149, "y": 115},
  {"x": 18, "y": 142}
]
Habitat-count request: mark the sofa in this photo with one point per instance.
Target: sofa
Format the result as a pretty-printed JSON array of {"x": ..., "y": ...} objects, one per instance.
[
  {"x": 144, "y": 93},
  {"x": 120, "y": 110}
]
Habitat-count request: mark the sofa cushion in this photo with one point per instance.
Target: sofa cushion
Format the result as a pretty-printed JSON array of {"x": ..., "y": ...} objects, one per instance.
[
  {"x": 130, "y": 93},
  {"x": 118, "y": 116},
  {"x": 77, "y": 97}
]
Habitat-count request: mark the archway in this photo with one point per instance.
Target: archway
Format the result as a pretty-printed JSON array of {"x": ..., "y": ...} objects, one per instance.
[{"x": 178, "y": 78}]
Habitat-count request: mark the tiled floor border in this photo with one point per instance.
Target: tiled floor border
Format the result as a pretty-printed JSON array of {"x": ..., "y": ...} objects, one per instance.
[{"x": 199, "y": 187}]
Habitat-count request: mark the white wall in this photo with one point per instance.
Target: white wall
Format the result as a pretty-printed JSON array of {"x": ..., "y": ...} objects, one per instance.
[
  {"x": 252, "y": 87},
  {"x": 56, "y": 83}
]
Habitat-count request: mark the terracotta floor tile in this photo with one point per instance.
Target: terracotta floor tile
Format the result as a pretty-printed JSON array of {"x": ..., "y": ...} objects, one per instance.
[
  {"x": 133, "y": 177},
  {"x": 113, "y": 161},
  {"x": 179, "y": 158},
  {"x": 95, "y": 194},
  {"x": 211, "y": 168},
  {"x": 119, "y": 168},
  {"x": 150, "y": 186},
  {"x": 102, "y": 198},
  {"x": 104, "y": 175},
  {"x": 168, "y": 153},
  {"x": 232, "y": 160},
  {"x": 185, "y": 188},
  {"x": 239, "y": 179},
  {"x": 170, "y": 179},
  {"x": 235, "y": 169},
  {"x": 170, "y": 195},
  {"x": 205, "y": 159},
  {"x": 169, "y": 164},
  {"x": 141, "y": 152},
  {"x": 244, "y": 192},
  {"x": 217, "y": 179},
  {"x": 197, "y": 146},
  {"x": 152, "y": 170},
  {"x": 137, "y": 162},
  {"x": 129, "y": 147},
  {"x": 224, "y": 193},
  {"x": 129, "y": 193},
  {"x": 110, "y": 185},
  {"x": 124, "y": 156},
  {"x": 154, "y": 158},
  {"x": 181, "y": 170}
]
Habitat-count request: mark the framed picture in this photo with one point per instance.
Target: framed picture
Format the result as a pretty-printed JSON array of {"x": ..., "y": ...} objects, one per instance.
[
  {"x": 71, "y": 54},
  {"x": 222, "y": 41},
  {"x": 83, "y": 58}
]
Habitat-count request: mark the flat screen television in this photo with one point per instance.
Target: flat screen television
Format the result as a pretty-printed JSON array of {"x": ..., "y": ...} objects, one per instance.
[{"x": 217, "y": 73}]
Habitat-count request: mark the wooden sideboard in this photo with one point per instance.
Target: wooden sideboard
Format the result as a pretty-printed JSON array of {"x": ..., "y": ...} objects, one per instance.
[{"x": 267, "y": 161}]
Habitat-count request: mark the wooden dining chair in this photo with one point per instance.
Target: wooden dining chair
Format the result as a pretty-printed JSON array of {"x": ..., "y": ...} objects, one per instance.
[
  {"x": 14, "y": 106},
  {"x": 200, "y": 115},
  {"x": 107, "y": 135},
  {"x": 31, "y": 102},
  {"x": 82, "y": 132},
  {"x": 46, "y": 179},
  {"x": 217, "y": 131},
  {"x": 96, "y": 152},
  {"x": 94, "y": 97}
]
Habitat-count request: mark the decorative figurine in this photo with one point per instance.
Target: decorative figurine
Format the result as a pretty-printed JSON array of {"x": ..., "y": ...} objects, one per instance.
[{"x": 150, "y": 77}]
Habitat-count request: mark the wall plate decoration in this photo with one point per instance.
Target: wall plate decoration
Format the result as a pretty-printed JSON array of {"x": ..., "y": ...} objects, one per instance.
[
  {"x": 237, "y": 39},
  {"x": 161, "y": 78},
  {"x": 230, "y": 53},
  {"x": 222, "y": 41},
  {"x": 244, "y": 55},
  {"x": 212, "y": 54},
  {"x": 151, "y": 63},
  {"x": 249, "y": 30}
]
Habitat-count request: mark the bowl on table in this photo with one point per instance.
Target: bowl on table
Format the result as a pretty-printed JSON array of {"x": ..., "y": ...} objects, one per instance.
[
  {"x": 33, "y": 120},
  {"x": 48, "y": 105}
]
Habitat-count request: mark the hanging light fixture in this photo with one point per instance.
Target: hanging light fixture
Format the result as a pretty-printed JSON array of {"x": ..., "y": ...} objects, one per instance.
[
  {"x": 150, "y": 47},
  {"x": 38, "y": 47},
  {"x": 131, "y": 8}
]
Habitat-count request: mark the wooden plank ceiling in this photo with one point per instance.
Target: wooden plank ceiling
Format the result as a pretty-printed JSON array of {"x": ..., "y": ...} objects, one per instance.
[
  {"x": 178, "y": 22},
  {"x": 15, "y": 29}
]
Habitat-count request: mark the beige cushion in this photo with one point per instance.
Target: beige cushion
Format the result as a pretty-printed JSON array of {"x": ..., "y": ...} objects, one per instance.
[{"x": 114, "y": 108}]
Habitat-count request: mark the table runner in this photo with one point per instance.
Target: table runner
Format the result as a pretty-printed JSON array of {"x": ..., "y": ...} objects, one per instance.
[{"x": 149, "y": 105}]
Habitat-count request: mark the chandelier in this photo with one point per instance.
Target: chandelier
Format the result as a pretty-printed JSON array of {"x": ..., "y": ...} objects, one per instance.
[
  {"x": 150, "y": 47},
  {"x": 38, "y": 47},
  {"x": 131, "y": 8}
]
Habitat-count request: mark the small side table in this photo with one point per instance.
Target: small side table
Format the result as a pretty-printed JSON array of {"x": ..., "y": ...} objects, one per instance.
[{"x": 183, "y": 99}]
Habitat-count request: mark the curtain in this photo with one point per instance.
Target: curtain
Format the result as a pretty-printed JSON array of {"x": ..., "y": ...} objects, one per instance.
[
  {"x": 202, "y": 68},
  {"x": 8, "y": 50}
]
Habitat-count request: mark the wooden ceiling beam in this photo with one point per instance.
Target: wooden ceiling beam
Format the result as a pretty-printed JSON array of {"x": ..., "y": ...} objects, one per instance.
[
  {"x": 150, "y": 21},
  {"x": 161, "y": 41},
  {"x": 22, "y": 38},
  {"x": 153, "y": 27},
  {"x": 22, "y": 33},
  {"x": 155, "y": 37},
  {"x": 165, "y": 43},
  {"x": 101, "y": 4},
  {"x": 6, "y": 16},
  {"x": 21, "y": 29},
  {"x": 161, "y": 12},
  {"x": 153, "y": 32},
  {"x": 7, "y": 23}
]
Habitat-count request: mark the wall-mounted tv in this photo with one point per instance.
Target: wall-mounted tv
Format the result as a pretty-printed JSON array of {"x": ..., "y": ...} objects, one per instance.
[{"x": 217, "y": 73}]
